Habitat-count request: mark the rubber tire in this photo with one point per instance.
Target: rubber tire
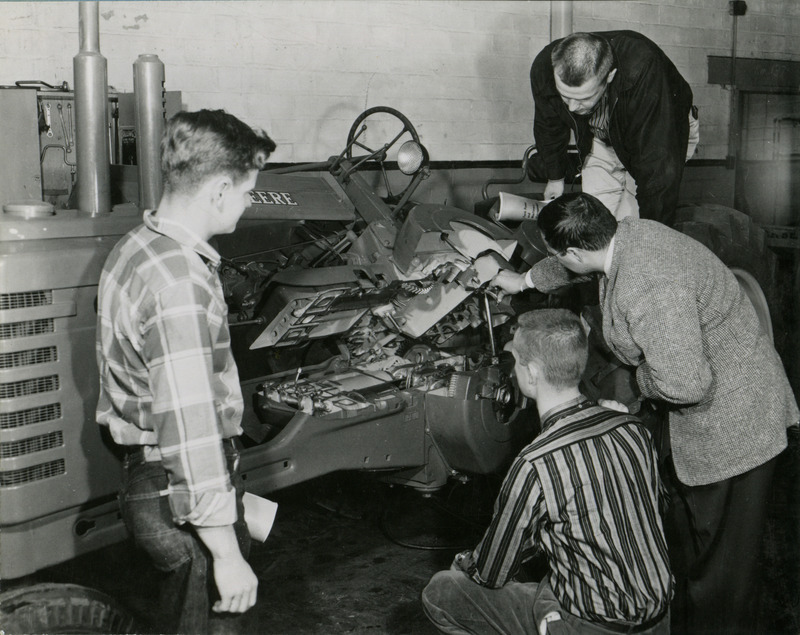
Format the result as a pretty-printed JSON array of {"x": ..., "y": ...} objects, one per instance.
[
  {"x": 62, "y": 608},
  {"x": 741, "y": 244}
]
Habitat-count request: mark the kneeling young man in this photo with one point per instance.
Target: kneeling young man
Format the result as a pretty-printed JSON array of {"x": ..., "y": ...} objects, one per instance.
[{"x": 584, "y": 492}]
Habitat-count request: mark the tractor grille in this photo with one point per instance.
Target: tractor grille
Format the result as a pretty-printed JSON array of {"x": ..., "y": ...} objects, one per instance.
[
  {"x": 25, "y": 300},
  {"x": 10, "y": 420},
  {"x": 33, "y": 473},
  {"x": 34, "y": 444},
  {"x": 28, "y": 387},
  {"x": 29, "y": 358},
  {"x": 24, "y": 387},
  {"x": 26, "y": 329}
]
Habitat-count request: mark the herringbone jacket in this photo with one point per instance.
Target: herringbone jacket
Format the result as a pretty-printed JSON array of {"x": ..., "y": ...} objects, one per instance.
[{"x": 673, "y": 310}]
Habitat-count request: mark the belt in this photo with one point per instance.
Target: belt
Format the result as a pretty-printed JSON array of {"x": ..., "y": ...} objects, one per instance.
[
  {"x": 634, "y": 628},
  {"x": 137, "y": 452}
]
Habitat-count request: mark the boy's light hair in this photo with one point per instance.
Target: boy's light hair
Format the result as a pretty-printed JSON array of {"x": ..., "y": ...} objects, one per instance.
[
  {"x": 556, "y": 341},
  {"x": 198, "y": 145}
]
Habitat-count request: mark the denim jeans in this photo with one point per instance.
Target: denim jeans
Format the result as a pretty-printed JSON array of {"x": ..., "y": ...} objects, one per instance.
[
  {"x": 458, "y": 606},
  {"x": 175, "y": 550}
]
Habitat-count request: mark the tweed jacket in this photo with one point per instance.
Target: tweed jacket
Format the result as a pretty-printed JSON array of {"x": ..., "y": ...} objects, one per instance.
[{"x": 673, "y": 310}]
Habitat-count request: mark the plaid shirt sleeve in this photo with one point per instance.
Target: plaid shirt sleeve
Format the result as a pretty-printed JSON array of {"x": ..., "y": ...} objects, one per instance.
[{"x": 179, "y": 337}]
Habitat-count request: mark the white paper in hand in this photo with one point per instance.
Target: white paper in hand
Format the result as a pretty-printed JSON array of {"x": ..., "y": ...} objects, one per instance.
[{"x": 259, "y": 514}]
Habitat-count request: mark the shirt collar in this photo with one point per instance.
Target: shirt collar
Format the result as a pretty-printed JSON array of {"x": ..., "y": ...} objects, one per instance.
[
  {"x": 609, "y": 256},
  {"x": 183, "y": 235},
  {"x": 561, "y": 410}
]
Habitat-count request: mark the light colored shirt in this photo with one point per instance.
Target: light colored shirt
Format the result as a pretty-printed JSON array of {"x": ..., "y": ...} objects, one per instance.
[
  {"x": 168, "y": 380},
  {"x": 585, "y": 492}
]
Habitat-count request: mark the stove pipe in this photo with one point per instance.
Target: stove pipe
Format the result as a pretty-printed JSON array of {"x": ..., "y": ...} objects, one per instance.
[{"x": 91, "y": 116}]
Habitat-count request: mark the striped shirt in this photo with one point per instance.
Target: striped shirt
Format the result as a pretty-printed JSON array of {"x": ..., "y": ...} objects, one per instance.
[
  {"x": 585, "y": 492},
  {"x": 598, "y": 120},
  {"x": 168, "y": 380}
]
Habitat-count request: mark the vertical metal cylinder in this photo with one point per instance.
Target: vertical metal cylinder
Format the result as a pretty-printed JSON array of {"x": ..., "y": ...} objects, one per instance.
[
  {"x": 91, "y": 116},
  {"x": 150, "y": 109}
]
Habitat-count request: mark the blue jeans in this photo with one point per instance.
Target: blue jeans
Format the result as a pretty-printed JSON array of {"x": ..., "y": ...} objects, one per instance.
[
  {"x": 458, "y": 606},
  {"x": 185, "y": 594}
]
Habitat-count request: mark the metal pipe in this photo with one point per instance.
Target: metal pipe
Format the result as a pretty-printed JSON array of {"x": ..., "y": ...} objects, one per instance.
[
  {"x": 487, "y": 307},
  {"x": 91, "y": 116},
  {"x": 560, "y": 19},
  {"x": 733, "y": 111},
  {"x": 151, "y": 116}
]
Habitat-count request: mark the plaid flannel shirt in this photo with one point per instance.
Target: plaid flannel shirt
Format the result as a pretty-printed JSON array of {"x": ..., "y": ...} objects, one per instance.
[{"x": 168, "y": 380}]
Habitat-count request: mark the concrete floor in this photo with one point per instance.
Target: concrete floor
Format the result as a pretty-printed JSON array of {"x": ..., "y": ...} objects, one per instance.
[{"x": 349, "y": 554}]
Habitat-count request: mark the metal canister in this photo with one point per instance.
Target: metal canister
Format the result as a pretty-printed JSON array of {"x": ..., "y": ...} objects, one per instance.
[
  {"x": 91, "y": 117},
  {"x": 151, "y": 113}
]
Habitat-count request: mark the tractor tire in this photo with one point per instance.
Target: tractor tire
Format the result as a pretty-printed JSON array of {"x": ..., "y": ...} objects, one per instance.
[
  {"x": 741, "y": 244},
  {"x": 61, "y": 608}
]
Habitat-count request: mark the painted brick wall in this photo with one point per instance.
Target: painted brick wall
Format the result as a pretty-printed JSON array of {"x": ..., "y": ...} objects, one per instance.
[{"x": 303, "y": 70}]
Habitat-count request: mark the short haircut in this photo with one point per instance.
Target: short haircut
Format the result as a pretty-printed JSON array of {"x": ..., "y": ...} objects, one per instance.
[
  {"x": 205, "y": 143},
  {"x": 576, "y": 220},
  {"x": 556, "y": 341},
  {"x": 580, "y": 57}
]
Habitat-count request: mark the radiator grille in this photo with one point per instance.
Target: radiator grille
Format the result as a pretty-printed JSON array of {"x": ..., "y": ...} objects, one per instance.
[
  {"x": 33, "y": 473},
  {"x": 26, "y": 329},
  {"x": 25, "y": 300},
  {"x": 50, "y": 412},
  {"x": 29, "y": 358},
  {"x": 27, "y": 387},
  {"x": 34, "y": 444}
]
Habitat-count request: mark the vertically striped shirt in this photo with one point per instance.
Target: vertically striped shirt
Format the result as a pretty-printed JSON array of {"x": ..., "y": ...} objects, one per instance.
[
  {"x": 598, "y": 120},
  {"x": 586, "y": 493},
  {"x": 168, "y": 380}
]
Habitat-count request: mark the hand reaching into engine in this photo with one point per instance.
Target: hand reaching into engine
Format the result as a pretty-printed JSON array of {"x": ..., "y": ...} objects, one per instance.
[{"x": 509, "y": 283}]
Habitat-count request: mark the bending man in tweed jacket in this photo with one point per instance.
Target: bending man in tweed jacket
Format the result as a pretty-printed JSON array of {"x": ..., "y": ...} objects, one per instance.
[{"x": 673, "y": 310}]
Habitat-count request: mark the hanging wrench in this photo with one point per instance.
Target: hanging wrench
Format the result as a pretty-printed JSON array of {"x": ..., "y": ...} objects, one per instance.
[
  {"x": 47, "y": 120},
  {"x": 67, "y": 140}
]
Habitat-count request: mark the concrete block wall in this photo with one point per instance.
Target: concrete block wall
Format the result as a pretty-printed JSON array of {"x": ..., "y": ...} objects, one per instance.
[{"x": 304, "y": 70}]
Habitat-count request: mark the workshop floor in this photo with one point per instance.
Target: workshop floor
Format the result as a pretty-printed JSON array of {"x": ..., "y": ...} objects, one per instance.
[{"x": 350, "y": 555}]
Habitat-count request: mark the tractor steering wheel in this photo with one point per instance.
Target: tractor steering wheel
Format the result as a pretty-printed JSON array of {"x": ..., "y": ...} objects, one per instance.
[{"x": 410, "y": 156}]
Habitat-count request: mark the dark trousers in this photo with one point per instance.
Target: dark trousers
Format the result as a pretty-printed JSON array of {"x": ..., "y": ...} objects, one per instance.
[
  {"x": 187, "y": 590},
  {"x": 715, "y": 535}
]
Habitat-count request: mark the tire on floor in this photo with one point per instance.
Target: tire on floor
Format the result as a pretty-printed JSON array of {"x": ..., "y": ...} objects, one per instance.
[{"x": 62, "y": 608}]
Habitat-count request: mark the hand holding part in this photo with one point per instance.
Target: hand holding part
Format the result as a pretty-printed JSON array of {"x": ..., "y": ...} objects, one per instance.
[
  {"x": 464, "y": 561},
  {"x": 509, "y": 281},
  {"x": 553, "y": 189}
]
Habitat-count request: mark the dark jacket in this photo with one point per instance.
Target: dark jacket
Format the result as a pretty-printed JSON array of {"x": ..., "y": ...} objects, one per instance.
[{"x": 649, "y": 127}]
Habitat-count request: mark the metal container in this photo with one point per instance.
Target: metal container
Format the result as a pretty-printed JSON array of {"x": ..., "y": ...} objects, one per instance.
[
  {"x": 91, "y": 116},
  {"x": 150, "y": 108}
]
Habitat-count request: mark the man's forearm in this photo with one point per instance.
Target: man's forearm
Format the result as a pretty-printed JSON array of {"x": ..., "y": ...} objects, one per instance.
[
  {"x": 236, "y": 583},
  {"x": 220, "y": 541}
]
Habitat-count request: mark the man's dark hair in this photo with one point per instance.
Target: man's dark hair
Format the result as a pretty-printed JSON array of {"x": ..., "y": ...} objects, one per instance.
[
  {"x": 556, "y": 341},
  {"x": 197, "y": 145},
  {"x": 576, "y": 220},
  {"x": 580, "y": 57}
]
